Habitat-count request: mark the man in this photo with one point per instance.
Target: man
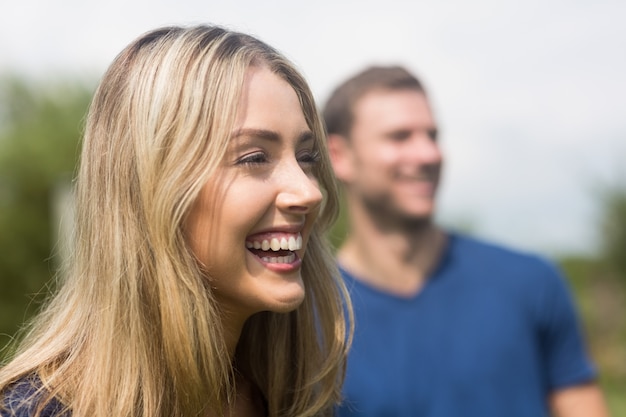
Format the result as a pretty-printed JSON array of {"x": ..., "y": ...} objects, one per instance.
[{"x": 446, "y": 325}]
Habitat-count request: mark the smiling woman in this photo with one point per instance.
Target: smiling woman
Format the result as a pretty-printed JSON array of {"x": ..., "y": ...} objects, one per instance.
[
  {"x": 200, "y": 282},
  {"x": 268, "y": 195}
]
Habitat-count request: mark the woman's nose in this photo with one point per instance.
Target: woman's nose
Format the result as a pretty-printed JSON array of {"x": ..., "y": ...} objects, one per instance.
[{"x": 300, "y": 191}]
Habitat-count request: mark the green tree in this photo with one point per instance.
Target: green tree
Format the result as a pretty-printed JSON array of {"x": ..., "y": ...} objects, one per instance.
[
  {"x": 606, "y": 294},
  {"x": 614, "y": 231},
  {"x": 40, "y": 127}
]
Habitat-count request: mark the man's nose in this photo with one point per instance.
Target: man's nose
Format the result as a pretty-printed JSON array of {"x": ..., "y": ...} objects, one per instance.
[{"x": 424, "y": 149}]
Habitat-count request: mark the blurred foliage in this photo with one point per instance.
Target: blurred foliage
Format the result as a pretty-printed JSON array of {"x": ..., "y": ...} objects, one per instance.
[
  {"x": 614, "y": 230},
  {"x": 601, "y": 299},
  {"x": 338, "y": 232},
  {"x": 40, "y": 127}
]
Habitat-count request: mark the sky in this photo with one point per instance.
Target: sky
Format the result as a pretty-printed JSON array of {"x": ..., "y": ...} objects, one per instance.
[{"x": 530, "y": 96}]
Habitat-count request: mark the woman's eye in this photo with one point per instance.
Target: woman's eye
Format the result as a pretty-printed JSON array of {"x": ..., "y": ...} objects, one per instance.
[
  {"x": 309, "y": 157},
  {"x": 256, "y": 158}
]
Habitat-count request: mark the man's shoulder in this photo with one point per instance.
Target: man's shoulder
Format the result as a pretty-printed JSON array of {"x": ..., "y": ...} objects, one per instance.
[
  {"x": 481, "y": 255},
  {"x": 485, "y": 249}
]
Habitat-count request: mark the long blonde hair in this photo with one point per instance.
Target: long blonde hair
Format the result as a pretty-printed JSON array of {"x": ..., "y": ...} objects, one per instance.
[{"x": 134, "y": 329}]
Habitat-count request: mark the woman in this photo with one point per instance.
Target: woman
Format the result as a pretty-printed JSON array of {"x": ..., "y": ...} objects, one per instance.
[{"x": 200, "y": 282}]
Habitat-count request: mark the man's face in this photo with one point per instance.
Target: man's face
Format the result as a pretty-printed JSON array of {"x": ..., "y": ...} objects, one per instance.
[{"x": 393, "y": 158}]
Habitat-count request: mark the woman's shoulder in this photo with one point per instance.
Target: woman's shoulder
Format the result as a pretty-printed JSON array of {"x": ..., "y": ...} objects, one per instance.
[{"x": 24, "y": 397}]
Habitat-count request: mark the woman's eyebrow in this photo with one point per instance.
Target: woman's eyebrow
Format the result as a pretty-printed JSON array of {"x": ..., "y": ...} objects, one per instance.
[
  {"x": 270, "y": 135},
  {"x": 306, "y": 136},
  {"x": 257, "y": 133}
]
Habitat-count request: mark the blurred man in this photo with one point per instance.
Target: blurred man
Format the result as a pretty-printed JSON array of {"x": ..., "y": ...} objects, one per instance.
[{"x": 447, "y": 326}]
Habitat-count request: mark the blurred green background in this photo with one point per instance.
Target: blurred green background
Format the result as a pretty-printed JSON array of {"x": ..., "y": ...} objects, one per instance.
[{"x": 40, "y": 129}]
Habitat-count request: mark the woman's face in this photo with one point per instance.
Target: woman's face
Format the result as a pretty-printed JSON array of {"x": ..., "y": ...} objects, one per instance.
[{"x": 251, "y": 222}]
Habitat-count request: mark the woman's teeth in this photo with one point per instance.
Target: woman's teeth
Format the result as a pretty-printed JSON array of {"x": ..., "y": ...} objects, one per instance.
[
  {"x": 286, "y": 246},
  {"x": 291, "y": 243},
  {"x": 279, "y": 259}
]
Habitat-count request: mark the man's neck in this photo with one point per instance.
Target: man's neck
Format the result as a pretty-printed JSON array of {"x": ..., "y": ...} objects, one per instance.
[{"x": 394, "y": 260}]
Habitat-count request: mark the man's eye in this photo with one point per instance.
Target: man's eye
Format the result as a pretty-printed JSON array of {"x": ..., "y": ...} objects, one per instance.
[
  {"x": 400, "y": 135},
  {"x": 256, "y": 158}
]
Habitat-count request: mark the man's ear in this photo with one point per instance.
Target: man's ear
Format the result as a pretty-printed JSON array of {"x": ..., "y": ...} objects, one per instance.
[{"x": 341, "y": 156}]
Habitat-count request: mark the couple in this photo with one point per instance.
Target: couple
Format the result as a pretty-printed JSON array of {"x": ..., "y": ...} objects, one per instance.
[{"x": 201, "y": 284}]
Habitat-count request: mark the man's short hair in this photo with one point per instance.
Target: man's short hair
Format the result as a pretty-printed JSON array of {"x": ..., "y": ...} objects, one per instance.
[{"x": 338, "y": 111}]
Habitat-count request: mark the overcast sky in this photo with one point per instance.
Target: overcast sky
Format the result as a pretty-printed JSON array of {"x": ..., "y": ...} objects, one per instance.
[{"x": 530, "y": 95}]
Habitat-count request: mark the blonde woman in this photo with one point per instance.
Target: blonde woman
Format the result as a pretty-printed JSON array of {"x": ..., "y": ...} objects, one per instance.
[{"x": 200, "y": 282}]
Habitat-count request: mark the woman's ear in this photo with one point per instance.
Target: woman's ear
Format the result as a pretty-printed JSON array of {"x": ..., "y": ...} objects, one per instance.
[{"x": 341, "y": 156}]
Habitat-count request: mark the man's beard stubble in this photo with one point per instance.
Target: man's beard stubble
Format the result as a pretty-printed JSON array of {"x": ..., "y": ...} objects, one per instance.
[{"x": 388, "y": 217}]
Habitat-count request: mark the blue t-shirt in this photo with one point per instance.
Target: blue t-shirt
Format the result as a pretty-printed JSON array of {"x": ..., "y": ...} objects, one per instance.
[{"x": 491, "y": 333}]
